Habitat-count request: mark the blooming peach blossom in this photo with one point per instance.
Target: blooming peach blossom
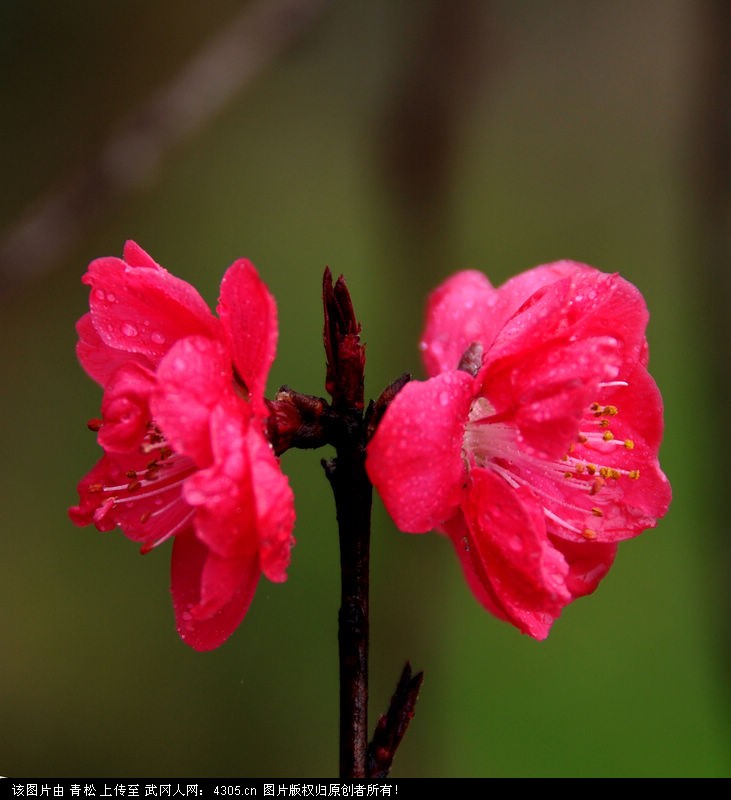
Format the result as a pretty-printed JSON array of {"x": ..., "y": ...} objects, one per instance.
[
  {"x": 533, "y": 445},
  {"x": 182, "y": 427}
]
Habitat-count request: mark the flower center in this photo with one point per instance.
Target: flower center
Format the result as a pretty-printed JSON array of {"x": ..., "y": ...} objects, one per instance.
[
  {"x": 149, "y": 504},
  {"x": 576, "y": 490}
]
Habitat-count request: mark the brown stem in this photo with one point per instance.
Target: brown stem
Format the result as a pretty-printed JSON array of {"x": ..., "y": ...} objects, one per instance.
[{"x": 353, "y": 496}]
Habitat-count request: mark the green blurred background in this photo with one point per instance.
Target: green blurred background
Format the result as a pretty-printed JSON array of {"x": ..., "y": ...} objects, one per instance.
[{"x": 396, "y": 142}]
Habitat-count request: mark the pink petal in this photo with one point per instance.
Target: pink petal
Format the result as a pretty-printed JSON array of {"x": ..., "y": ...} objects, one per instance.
[
  {"x": 192, "y": 379},
  {"x": 274, "y": 507},
  {"x": 459, "y": 312},
  {"x": 135, "y": 256},
  {"x": 210, "y": 595},
  {"x": 144, "y": 310},
  {"x": 125, "y": 408},
  {"x": 508, "y": 548},
  {"x": 545, "y": 390},
  {"x": 515, "y": 291},
  {"x": 588, "y": 563},
  {"x": 249, "y": 316},
  {"x": 587, "y": 304},
  {"x": 473, "y": 569},
  {"x": 415, "y": 457},
  {"x": 99, "y": 359},
  {"x": 223, "y": 494},
  {"x": 244, "y": 501}
]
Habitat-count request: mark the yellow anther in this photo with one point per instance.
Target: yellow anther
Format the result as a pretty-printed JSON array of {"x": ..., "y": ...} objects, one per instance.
[
  {"x": 597, "y": 512},
  {"x": 568, "y": 474},
  {"x": 608, "y": 436},
  {"x": 596, "y": 486},
  {"x": 581, "y": 438},
  {"x": 603, "y": 423},
  {"x": 595, "y": 406},
  {"x": 629, "y": 444},
  {"x": 591, "y": 469},
  {"x": 579, "y": 468},
  {"x": 634, "y": 474},
  {"x": 588, "y": 534},
  {"x": 612, "y": 411}
]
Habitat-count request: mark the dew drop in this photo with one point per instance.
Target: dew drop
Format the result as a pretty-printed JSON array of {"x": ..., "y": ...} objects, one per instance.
[
  {"x": 444, "y": 398},
  {"x": 128, "y": 329},
  {"x": 111, "y": 297},
  {"x": 99, "y": 294},
  {"x": 157, "y": 337},
  {"x": 516, "y": 544}
]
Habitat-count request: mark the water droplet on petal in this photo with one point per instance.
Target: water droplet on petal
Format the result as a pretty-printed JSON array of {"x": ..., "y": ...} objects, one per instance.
[
  {"x": 112, "y": 298},
  {"x": 99, "y": 294},
  {"x": 444, "y": 398},
  {"x": 157, "y": 337},
  {"x": 516, "y": 543},
  {"x": 128, "y": 329}
]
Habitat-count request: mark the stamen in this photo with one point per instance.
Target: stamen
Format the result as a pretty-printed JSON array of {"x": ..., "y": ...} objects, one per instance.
[{"x": 491, "y": 441}]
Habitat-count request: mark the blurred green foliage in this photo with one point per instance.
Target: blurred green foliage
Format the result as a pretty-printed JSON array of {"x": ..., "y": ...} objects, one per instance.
[{"x": 576, "y": 144}]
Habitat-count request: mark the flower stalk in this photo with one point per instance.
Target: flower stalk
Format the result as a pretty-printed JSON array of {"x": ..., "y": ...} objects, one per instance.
[{"x": 307, "y": 422}]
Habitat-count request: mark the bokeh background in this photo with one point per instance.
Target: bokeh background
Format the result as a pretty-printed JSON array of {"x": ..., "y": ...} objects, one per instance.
[{"x": 396, "y": 142}]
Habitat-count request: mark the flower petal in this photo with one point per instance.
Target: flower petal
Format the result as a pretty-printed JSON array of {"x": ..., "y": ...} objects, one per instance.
[
  {"x": 211, "y": 595},
  {"x": 507, "y": 547},
  {"x": 223, "y": 494},
  {"x": 415, "y": 457},
  {"x": 99, "y": 359},
  {"x": 515, "y": 291},
  {"x": 545, "y": 390},
  {"x": 584, "y": 305},
  {"x": 274, "y": 508},
  {"x": 135, "y": 256},
  {"x": 459, "y": 312},
  {"x": 249, "y": 317},
  {"x": 192, "y": 380},
  {"x": 144, "y": 309},
  {"x": 588, "y": 563},
  {"x": 125, "y": 408}
]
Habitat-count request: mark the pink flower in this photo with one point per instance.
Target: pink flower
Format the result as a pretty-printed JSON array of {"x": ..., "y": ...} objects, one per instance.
[
  {"x": 183, "y": 432},
  {"x": 534, "y": 443}
]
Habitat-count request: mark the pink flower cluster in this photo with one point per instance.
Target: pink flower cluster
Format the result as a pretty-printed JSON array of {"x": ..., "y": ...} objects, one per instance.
[
  {"x": 534, "y": 443},
  {"x": 183, "y": 433}
]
